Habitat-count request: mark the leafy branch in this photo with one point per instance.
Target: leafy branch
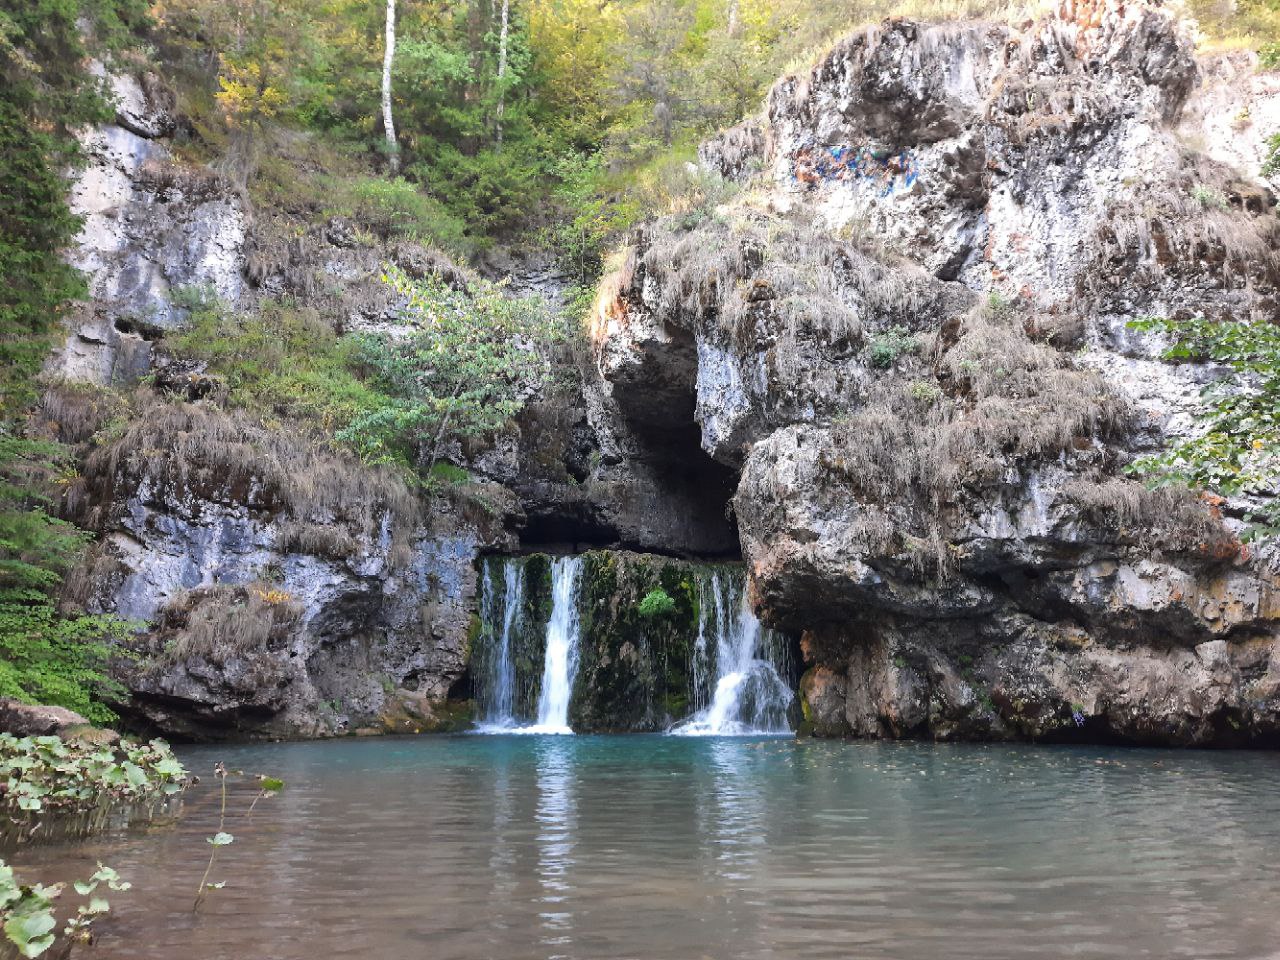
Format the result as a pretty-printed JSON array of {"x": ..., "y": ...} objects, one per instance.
[{"x": 1236, "y": 450}]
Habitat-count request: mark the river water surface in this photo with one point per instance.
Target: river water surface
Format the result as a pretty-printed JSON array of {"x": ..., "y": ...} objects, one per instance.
[{"x": 597, "y": 848}]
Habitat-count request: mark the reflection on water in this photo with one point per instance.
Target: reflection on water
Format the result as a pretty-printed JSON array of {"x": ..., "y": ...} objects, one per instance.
[
  {"x": 594, "y": 848},
  {"x": 735, "y": 826},
  {"x": 556, "y": 822}
]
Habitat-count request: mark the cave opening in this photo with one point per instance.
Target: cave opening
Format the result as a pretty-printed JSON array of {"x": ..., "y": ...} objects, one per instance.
[{"x": 666, "y": 496}]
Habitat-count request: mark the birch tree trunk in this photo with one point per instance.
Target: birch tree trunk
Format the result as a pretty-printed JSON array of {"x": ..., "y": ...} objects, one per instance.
[
  {"x": 388, "y": 125},
  {"x": 733, "y": 18},
  {"x": 502, "y": 69}
]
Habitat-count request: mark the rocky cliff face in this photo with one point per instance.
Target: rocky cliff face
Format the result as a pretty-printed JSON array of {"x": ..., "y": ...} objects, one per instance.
[
  {"x": 893, "y": 369},
  {"x": 291, "y": 591},
  {"x": 909, "y": 333}
]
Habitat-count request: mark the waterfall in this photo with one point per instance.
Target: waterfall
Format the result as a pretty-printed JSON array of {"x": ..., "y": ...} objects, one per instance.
[
  {"x": 750, "y": 696},
  {"x": 496, "y": 678},
  {"x": 713, "y": 611},
  {"x": 717, "y": 668},
  {"x": 561, "y": 661}
]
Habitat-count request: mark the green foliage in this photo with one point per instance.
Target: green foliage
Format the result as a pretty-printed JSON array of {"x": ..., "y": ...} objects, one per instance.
[
  {"x": 1236, "y": 450},
  {"x": 45, "y": 91},
  {"x": 473, "y": 357},
  {"x": 925, "y": 391},
  {"x": 49, "y": 658},
  {"x": 1209, "y": 198},
  {"x": 35, "y": 548},
  {"x": 27, "y": 912},
  {"x": 399, "y": 208},
  {"x": 884, "y": 349},
  {"x": 281, "y": 363},
  {"x": 463, "y": 369},
  {"x": 43, "y": 48},
  {"x": 449, "y": 473},
  {"x": 81, "y": 782},
  {"x": 35, "y": 225},
  {"x": 1271, "y": 165},
  {"x": 1252, "y": 23},
  {"x": 656, "y": 603}
]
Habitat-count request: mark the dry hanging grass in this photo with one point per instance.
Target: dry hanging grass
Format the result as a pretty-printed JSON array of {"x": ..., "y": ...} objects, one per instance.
[
  {"x": 195, "y": 450},
  {"x": 991, "y": 401},
  {"x": 221, "y": 622}
]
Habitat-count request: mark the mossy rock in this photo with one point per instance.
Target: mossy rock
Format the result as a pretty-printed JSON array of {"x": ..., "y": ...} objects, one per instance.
[{"x": 634, "y": 669}]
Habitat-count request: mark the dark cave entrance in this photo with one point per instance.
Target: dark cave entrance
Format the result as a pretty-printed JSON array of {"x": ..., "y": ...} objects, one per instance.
[{"x": 657, "y": 490}]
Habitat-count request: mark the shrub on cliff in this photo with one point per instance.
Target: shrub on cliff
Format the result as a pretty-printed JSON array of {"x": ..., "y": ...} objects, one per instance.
[
  {"x": 1236, "y": 450},
  {"x": 656, "y": 603},
  {"x": 471, "y": 361}
]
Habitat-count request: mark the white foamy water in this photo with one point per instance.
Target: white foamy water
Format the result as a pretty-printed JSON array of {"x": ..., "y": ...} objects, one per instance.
[
  {"x": 499, "y": 685},
  {"x": 561, "y": 662},
  {"x": 750, "y": 697}
]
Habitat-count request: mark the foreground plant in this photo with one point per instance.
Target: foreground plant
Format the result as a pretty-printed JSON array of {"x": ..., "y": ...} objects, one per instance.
[
  {"x": 267, "y": 787},
  {"x": 28, "y": 912},
  {"x": 49, "y": 778}
]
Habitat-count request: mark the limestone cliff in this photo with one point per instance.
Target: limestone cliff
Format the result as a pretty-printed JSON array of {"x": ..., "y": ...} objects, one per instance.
[
  {"x": 908, "y": 331},
  {"x": 889, "y": 362},
  {"x": 283, "y": 588}
]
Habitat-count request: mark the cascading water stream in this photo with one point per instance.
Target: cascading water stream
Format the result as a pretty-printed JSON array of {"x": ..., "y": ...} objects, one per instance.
[
  {"x": 561, "y": 661},
  {"x": 750, "y": 697},
  {"x": 498, "y": 689},
  {"x": 524, "y": 667}
]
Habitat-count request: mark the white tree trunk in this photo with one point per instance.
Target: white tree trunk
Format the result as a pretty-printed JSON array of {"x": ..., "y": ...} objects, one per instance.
[
  {"x": 733, "y": 18},
  {"x": 388, "y": 125},
  {"x": 502, "y": 67}
]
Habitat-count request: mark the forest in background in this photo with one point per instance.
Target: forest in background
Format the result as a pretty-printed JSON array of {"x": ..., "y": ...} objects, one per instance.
[{"x": 500, "y": 105}]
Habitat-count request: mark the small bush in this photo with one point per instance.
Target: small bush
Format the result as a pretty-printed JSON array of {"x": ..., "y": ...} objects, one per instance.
[
  {"x": 448, "y": 473},
  {"x": 656, "y": 603},
  {"x": 884, "y": 349},
  {"x": 1208, "y": 197},
  {"x": 399, "y": 208},
  {"x": 925, "y": 391},
  {"x": 1271, "y": 165}
]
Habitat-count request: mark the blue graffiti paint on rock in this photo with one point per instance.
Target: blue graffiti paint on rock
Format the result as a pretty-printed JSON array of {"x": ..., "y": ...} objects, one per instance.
[{"x": 890, "y": 170}]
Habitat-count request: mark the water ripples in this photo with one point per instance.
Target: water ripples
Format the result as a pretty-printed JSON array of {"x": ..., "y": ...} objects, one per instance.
[{"x": 595, "y": 848}]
